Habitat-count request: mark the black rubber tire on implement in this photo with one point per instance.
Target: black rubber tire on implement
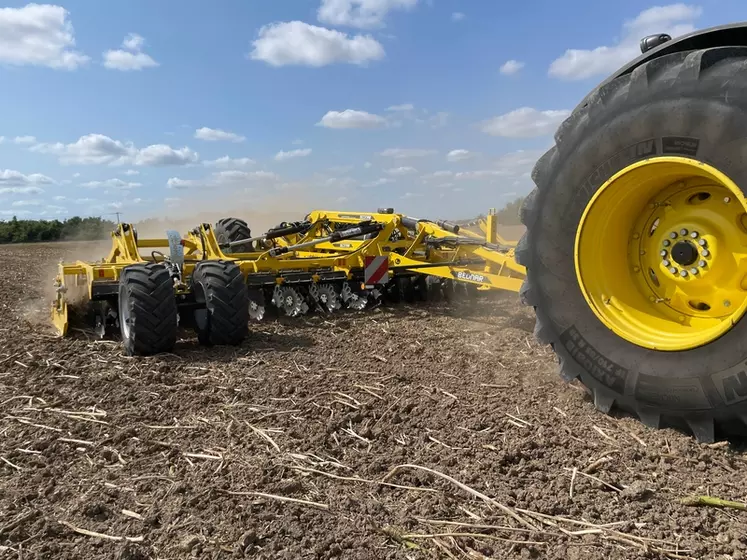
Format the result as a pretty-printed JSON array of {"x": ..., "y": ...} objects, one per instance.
[
  {"x": 228, "y": 230},
  {"x": 147, "y": 309},
  {"x": 691, "y": 104},
  {"x": 225, "y": 318}
]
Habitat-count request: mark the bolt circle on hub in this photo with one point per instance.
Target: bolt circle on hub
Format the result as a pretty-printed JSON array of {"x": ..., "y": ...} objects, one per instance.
[{"x": 667, "y": 214}]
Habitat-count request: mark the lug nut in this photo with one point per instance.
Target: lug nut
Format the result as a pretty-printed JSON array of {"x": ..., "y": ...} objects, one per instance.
[
  {"x": 666, "y": 243},
  {"x": 683, "y": 231},
  {"x": 693, "y": 271},
  {"x": 694, "y": 234},
  {"x": 673, "y": 270},
  {"x": 701, "y": 242},
  {"x": 701, "y": 264},
  {"x": 663, "y": 253},
  {"x": 673, "y": 235},
  {"x": 727, "y": 200},
  {"x": 665, "y": 262},
  {"x": 705, "y": 252},
  {"x": 683, "y": 273}
]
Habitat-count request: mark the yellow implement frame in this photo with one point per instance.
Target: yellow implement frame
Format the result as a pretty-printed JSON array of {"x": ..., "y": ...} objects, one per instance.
[{"x": 329, "y": 246}]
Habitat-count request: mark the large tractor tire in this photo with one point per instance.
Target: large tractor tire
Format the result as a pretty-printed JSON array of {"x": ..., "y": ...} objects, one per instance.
[
  {"x": 224, "y": 320},
  {"x": 636, "y": 243},
  {"x": 147, "y": 309},
  {"x": 228, "y": 230}
]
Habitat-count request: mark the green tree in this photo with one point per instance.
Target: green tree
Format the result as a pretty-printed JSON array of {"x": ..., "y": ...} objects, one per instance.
[{"x": 76, "y": 228}]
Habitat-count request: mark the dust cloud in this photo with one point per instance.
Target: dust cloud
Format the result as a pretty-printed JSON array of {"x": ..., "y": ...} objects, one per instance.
[{"x": 260, "y": 212}]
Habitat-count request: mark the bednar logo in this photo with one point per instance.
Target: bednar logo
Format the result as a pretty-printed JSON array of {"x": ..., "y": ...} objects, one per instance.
[
  {"x": 375, "y": 271},
  {"x": 470, "y": 276}
]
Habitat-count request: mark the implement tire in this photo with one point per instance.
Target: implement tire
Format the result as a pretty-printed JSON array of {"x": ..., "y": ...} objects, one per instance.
[
  {"x": 682, "y": 107},
  {"x": 228, "y": 230},
  {"x": 219, "y": 285},
  {"x": 147, "y": 310}
]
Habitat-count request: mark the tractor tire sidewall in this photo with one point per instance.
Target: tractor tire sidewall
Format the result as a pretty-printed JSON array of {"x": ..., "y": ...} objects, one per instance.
[{"x": 693, "y": 118}]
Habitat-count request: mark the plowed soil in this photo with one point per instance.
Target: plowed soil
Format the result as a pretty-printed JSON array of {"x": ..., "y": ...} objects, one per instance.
[{"x": 436, "y": 431}]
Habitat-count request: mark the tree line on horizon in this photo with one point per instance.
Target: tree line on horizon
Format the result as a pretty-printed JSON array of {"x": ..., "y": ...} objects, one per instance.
[
  {"x": 96, "y": 228},
  {"x": 72, "y": 229}
]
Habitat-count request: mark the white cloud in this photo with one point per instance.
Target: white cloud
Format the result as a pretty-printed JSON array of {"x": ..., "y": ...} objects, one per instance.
[
  {"x": 158, "y": 155},
  {"x": 480, "y": 174},
  {"x": 228, "y": 162},
  {"x": 11, "y": 178},
  {"x": 128, "y": 172},
  {"x": 519, "y": 162},
  {"x": 130, "y": 56},
  {"x": 439, "y": 120},
  {"x": 339, "y": 182},
  {"x": 406, "y": 153},
  {"x": 282, "y": 156},
  {"x": 411, "y": 195},
  {"x": 297, "y": 142},
  {"x": 111, "y": 183},
  {"x": 350, "y": 118},
  {"x": 579, "y": 64},
  {"x": 399, "y": 171},
  {"x": 511, "y": 67},
  {"x": 60, "y": 197},
  {"x": 39, "y": 35},
  {"x": 299, "y": 43},
  {"x": 513, "y": 166},
  {"x": 76, "y": 175},
  {"x": 405, "y": 107},
  {"x": 98, "y": 149},
  {"x": 216, "y": 135},
  {"x": 233, "y": 178},
  {"x": 360, "y": 13},
  {"x": 55, "y": 210},
  {"x": 367, "y": 165},
  {"x": 19, "y": 203},
  {"x": 437, "y": 175},
  {"x": 20, "y": 190},
  {"x": 133, "y": 42},
  {"x": 459, "y": 155},
  {"x": 457, "y": 16},
  {"x": 341, "y": 169},
  {"x": 15, "y": 213},
  {"x": 24, "y": 139},
  {"x": 525, "y": 122},
  {"x": 378, "y": 183}
]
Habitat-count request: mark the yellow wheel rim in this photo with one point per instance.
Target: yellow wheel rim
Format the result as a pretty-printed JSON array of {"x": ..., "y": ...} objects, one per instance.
[{"x": 661, "y": 253}]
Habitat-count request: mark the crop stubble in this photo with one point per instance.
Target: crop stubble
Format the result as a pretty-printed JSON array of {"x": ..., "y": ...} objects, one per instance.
[{"x": 393, "y": 434}]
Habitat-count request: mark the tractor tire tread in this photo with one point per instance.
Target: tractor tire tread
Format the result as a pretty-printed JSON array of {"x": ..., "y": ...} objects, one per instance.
[
  {"x": 227, "y": 302},
  {"x": 233, "y": 229},
  {"x": 152, "y": 305}
]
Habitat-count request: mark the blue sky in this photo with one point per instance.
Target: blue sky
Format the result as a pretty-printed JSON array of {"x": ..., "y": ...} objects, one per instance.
[{"x": 438, "y": 108}]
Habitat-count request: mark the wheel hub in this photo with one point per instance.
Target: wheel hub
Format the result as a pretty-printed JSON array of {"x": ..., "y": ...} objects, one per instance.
[
  {"x": 684, "y": 253},
  {"x": 683, "y": 225}
]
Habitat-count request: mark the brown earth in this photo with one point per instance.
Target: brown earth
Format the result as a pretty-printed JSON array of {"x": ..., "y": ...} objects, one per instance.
[{"x": 313, "y": 440}]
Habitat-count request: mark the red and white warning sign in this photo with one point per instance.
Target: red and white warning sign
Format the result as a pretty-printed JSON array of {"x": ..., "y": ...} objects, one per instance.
[{"x": 376, "y": 269}]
